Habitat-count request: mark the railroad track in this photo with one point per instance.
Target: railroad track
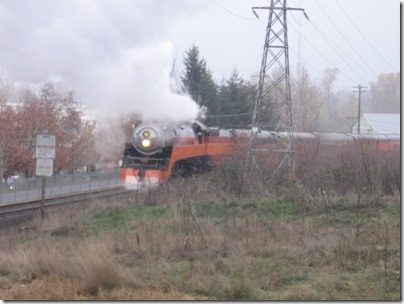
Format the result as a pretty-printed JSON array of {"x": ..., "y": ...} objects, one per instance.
[{"x": 14, "y": 208}]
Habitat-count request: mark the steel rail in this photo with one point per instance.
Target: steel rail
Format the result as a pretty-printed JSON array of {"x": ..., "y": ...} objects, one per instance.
[{"x": 11, "y": 208}]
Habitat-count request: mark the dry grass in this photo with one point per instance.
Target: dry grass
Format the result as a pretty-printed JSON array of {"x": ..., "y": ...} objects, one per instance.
[
  {"x": 186, "y": 256},
  {"x": 61, "y": 288},
  {"x": 192, "y": 240}
]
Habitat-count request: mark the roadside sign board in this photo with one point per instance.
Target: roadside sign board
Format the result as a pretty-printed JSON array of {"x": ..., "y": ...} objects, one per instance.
[
  {"x": 45, "y": 146},
  {"x": 44, "y": 167}
]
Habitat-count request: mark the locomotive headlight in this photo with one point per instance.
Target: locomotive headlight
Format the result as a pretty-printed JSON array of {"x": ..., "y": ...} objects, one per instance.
[
  {"x": 148, "y": 138},
  {"x": 146, "y": 143}
]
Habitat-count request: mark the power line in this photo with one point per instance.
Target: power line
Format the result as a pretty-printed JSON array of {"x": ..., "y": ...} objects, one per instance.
[
  {"x": 333, "y": 47},
  {"x": 319, "y": 73},
  {"x": 231, "y": 13},
  {"x": 313, "y": 68},
  {"x": 294, "y": 18},
  {"x": 343, "y": 37},
  {"x": 363, "y": 36},
  {"x": 230, "y": 115},
  {"x": 320, "y": 54}
]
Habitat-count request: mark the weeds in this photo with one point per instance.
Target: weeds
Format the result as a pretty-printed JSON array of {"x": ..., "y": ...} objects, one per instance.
[
  {"x": 231, "y": 250},
  {"x": 333, "y": 234}
]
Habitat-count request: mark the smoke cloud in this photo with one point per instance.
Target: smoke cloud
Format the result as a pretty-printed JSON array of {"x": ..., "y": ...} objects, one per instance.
[{"x": 116, "y": 54}]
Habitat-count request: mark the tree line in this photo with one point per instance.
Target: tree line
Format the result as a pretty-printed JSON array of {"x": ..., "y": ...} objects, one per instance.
[
  {"x": 229, "y": 104},
  {"x": 317, "y": 107}
]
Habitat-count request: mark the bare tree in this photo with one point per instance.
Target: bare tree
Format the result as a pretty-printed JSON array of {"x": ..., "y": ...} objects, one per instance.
[
  {"x": 9, "y": 145},
  {"x": 6, "y": 90},
  {"x": 307, "y": 104},
  {"x": 327, "y": 82},
  {"x": 385, "y": 93},
  {"x": 58, "y": 114}
]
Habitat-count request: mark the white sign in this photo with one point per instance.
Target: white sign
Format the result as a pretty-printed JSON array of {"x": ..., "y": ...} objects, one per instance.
[
  {"x": 44, "y": 167},
  {"x": 45, "y": 146}
]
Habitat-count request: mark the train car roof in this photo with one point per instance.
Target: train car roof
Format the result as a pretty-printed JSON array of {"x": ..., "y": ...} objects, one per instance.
[{"x": 377, "y": 136}]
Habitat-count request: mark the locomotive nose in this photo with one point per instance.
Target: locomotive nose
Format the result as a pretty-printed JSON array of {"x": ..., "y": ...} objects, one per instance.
[
  {"x": 147, "y": 140},
  {"x": 151, "y": 138}
]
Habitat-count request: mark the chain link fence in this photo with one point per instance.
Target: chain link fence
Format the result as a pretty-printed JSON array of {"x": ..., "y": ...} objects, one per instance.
[{"x": 19, "y": 189}]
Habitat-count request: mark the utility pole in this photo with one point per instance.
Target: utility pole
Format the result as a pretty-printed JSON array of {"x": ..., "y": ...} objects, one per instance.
[
  {"x": 359, "y": 87},
  {"x": 275, "y": 59}
]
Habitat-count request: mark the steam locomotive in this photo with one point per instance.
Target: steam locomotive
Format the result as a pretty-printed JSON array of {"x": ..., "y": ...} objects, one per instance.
[{"x": 161, "y": 150}]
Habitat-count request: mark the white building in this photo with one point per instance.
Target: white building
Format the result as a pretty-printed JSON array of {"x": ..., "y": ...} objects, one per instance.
[{"x": 375, "y": 123}]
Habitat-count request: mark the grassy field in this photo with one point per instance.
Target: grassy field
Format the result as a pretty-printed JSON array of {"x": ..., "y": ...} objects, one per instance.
[{"x": 188, "y": 242}]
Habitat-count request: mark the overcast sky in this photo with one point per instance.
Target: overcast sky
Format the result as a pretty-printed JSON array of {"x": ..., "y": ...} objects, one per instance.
[{"x": 116, "y": 54}]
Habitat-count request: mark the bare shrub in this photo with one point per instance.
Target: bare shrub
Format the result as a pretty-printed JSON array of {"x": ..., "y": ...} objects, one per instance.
[
  {"x": 91, "y": 262},
  {"x": 229, "y": 175},
  {"x": 4, "y": 283},
  {"x": 94, "y": 264},
  {"x": 341, "y": 169},
  {"x": 321, "y": 170},
  {"x": 335, "y": 169}
]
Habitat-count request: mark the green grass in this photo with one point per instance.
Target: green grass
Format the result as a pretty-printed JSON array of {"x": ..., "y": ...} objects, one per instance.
[
  {"x": 261, "y": 208},
  {"x": 112, "y": 219}
]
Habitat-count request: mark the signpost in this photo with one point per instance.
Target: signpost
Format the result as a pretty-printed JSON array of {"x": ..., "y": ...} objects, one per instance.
[
  {"x": 44, "y": 167},
  {"x": 45, "y": 146},
  {"x": 45, "y": 152}
]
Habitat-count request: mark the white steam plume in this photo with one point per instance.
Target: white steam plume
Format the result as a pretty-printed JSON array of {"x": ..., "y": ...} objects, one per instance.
[{"x": 115, "y": 54}]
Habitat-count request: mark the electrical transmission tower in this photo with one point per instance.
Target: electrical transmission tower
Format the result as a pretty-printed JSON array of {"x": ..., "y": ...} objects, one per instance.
[{"x": 273, "y": 94}]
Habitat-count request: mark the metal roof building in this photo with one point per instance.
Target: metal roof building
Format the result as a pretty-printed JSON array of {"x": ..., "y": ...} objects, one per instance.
[{"x": 376, "y": 123}]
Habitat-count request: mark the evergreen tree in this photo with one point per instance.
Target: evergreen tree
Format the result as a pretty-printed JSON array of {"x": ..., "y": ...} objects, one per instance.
[
  {"x": 229, "y": 105},
  {"x": 198, "y": 81},
  {"x": 237, "y": 102}
]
